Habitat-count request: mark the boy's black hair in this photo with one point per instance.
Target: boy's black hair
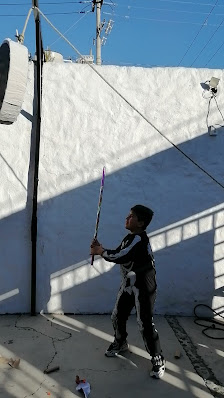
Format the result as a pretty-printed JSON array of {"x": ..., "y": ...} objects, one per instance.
[{"x": 143, "y": 213}]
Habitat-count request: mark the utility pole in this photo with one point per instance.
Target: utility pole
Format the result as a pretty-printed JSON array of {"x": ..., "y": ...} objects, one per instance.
[
  {"x": 98, "y": 4},
  {"x": 38, "y": 90}
]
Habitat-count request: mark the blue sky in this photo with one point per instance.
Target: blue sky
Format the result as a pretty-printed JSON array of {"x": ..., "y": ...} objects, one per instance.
[{"x": 145, "y": 32}]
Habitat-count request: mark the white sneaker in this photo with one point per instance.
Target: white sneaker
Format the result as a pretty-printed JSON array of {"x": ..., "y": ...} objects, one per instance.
[
  {"x": 157, "y": 371},
  {"x": 158, "y": 367}
]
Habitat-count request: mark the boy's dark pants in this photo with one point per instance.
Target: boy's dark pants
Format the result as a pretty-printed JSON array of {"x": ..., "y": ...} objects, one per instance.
[{"x": 144, "y": 303}]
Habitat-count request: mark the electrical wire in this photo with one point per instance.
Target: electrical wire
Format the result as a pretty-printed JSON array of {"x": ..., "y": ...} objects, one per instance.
[
  {"x": 121, "y": 16},
  {"x": 65, "y": 2},
  {"x": 129, "y": 103},
  {"x": 160, "y": 20},
  {"x": 14, "y": 4},
  {"x": 184, "y": 2},
  {"x": 66, "y": 13},
  {"x": 166, "y": 9},
  {"x": 115, "y": 4},
  {"x": 212, "y": 96},
  {"x": 197, "y": 34},
  {"x": 207, "y": 42},
  {"x": 212, "y": 322},
  {"x": 209, "y": 104},
  {"x": 190, "y": 2},
  {"x": 216, "y": 125},
  {"x": 13, "y": 15},
  {"x": 59, "y": 38},
  {"x": 45, "y": 3},
  {"x": 48, "y": 13},
  {"x": 215, "y": 53},
  {"x": 218, "y": 108}
]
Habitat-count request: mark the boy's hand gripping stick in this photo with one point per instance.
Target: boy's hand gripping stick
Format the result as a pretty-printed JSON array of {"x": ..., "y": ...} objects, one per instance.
[{"x": 99, "y": 209}]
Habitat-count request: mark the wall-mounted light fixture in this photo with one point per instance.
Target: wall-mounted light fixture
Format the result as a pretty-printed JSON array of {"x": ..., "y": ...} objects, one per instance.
[{"x": 213, "y": 83}]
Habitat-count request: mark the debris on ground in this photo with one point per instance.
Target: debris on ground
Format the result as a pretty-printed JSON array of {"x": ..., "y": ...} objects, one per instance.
[
  {"x": 177, "y": 354},
  {"x": 8, "y": 342},
  {"x": 83, "y": 385},
  {"x": 14, "y": 363},
  {"x": 51, "y": 370}
]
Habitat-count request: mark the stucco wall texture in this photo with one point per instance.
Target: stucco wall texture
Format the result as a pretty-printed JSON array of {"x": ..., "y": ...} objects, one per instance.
[{"x": 86, "y": 125}]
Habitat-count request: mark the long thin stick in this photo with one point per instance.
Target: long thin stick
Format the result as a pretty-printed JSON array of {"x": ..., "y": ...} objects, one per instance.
[{"x": 99, "y": 209}]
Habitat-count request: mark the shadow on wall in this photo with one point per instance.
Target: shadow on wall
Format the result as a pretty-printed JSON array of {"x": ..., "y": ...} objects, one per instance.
[
  {"x": 186, "y": 236},
  {"x": 15, "y": 237}
]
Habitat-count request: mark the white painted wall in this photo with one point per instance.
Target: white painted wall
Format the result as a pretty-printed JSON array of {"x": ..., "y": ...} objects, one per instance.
[
  {"x": 85, "y": 126},
  {"x": 15, "y": 208}
]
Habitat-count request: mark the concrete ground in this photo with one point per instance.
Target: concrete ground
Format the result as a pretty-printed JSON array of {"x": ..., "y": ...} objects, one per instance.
[{"x": 76, "y": 343}]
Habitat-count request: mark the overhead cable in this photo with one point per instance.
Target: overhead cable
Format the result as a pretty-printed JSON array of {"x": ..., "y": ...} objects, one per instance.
[
  {"x": 207, "y": 42},
  {"x": 218, "y": 108},
  {"x": 184, "y": 2},
  {"x": 112, "y": 3},
  {"x": 215, "y": 53},
  {"x": 190, "y": 2},
  {"x": 45, "y": 3},
  {"x": 65, "y": 2},
  {"x": 129, "y": 103},
  {"x": 72, "y": 26},
  {"x": 197, "y": 34},
  {"x": 158, "y": 20},
  {"x": 48, "y": 13},
  {"x": 164, "y": 9}
]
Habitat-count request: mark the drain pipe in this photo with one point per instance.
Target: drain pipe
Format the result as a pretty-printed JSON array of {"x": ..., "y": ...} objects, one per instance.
[{"x": 39, "y": 66}]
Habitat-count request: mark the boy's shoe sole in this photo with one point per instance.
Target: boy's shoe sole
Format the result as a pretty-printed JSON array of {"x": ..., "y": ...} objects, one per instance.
[{"x": 114, "y": 352}]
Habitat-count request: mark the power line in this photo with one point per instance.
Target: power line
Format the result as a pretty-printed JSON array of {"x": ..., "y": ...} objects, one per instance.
[
  {"x": 215, "y": 53},
  {"x": 67, "y": 13},
  {"x": 72, "y": 26},
  {"x": 14, "y": 4},
  {"x": 159, "y": 20},
  {"x": 66, "y": 2},
  {"x": 45, "y": 3},
  {"x": 190, "y": 2},
  {"x": 115, "y": 4},
  {"x": 166, "y": 9},
  {"x": 130, "y": 104},
  {"x": 207, "y": 43},
  {"x": 49, "y": 13},
  {"x": 218, "y": 108},
  {"x": 13, "y": 15},
  {"x": 205, "y": 22}
]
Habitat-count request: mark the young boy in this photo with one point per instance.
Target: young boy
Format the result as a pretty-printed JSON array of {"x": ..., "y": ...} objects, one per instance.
[{"x": 138, "y": 287}]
